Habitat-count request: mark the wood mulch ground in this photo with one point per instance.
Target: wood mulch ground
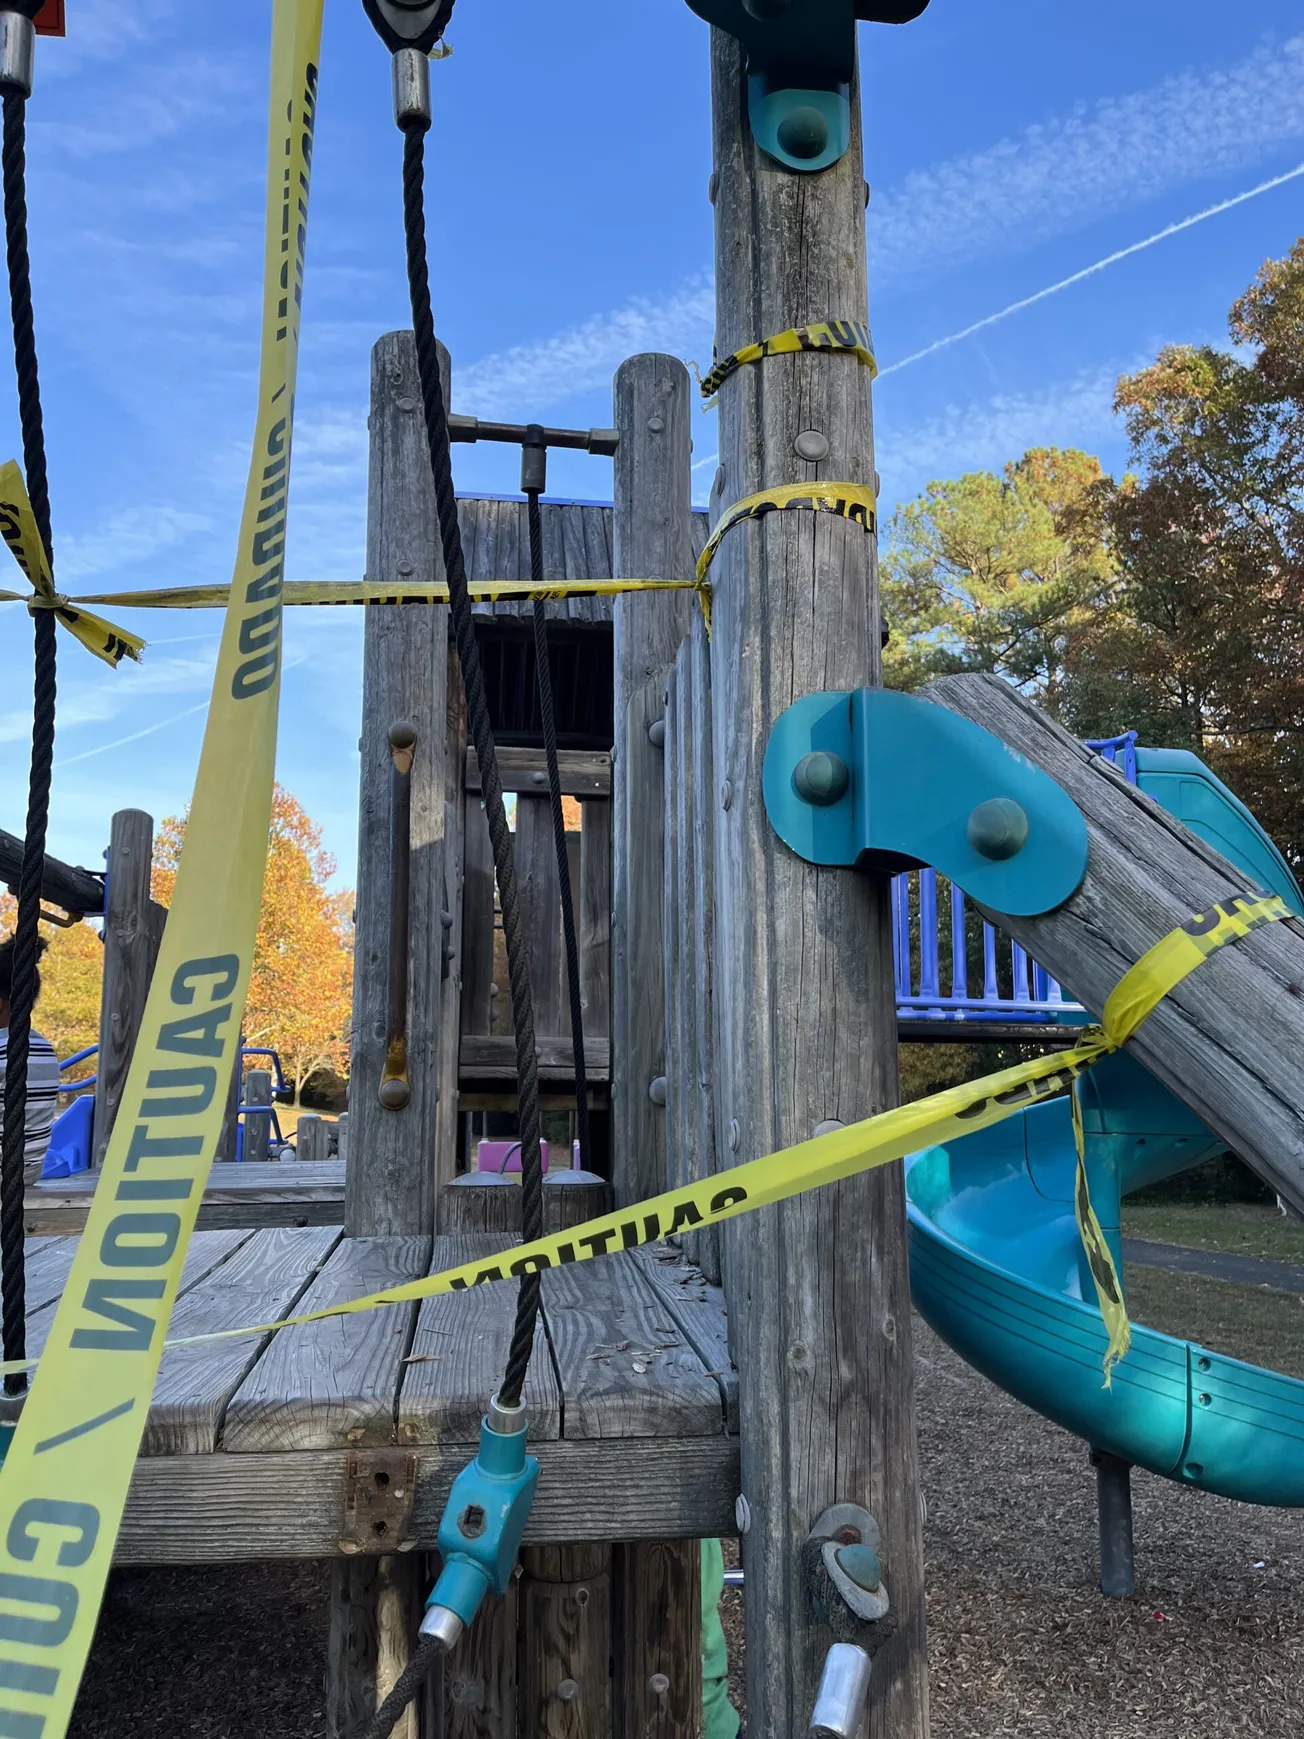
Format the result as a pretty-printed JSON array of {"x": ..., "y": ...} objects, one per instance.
[{"x": 1021, "y": 1643}]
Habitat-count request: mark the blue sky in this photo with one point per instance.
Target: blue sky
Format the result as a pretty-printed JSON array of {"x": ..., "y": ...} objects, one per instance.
[{"x": 1008, "y": 146}]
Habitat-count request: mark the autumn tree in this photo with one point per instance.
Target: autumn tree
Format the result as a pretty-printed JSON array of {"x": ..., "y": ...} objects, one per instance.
[
  {"x": 71, "y": 970},
  {"x": 300, "y": 990},
  {"x": 1203, "y": 643},
  {"x": 993, "y": 573}
]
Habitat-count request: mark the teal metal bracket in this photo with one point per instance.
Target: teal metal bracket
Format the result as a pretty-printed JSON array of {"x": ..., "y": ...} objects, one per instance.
[
  {"x": 876, "y": 777},
  {"x": 483, "y": 1521},
  {"x": 801, "y": 58}
]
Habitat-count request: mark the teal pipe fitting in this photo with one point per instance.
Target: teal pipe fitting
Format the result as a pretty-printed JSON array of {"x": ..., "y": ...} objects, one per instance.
[
  {"x": 801, "y": 57},
  {"x": 483, "y": 1521}
]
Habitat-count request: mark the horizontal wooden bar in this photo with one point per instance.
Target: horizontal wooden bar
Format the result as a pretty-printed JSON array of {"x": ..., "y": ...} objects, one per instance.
[
  {"x": 75, "y": 890},
  {"x": 213, "y": 1509},
  {"x": 974, "y": 1032},
  {"x": 599, "y": 1100},
  {"x": 494, "y": 1059},
  {"x": 584, "y": 773}
]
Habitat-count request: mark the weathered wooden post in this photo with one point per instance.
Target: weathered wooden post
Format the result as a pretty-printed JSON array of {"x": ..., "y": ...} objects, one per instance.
[
  {"x": 257, "y": 1124},
  {"x": 652, "y": 537},
  {"x": 390, "y": 1182},
  {"x": 390, "y": 1187},
  {"x": 818, "y": 1287},
  {"x": 653, "y": 510},
  {"x": 133, "y": 929}
]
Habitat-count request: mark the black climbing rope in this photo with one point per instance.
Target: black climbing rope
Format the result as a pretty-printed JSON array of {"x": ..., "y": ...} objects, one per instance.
[
  {"x": 13, "y": 1292},
  {"x": 436, "y": 414},
  {"x": 559, "y": 826}
]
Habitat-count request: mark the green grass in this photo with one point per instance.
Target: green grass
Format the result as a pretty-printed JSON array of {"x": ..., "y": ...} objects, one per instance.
[
  {"x": 1244, "y": 1229},
  {"x": 1261, "y": 1326}
]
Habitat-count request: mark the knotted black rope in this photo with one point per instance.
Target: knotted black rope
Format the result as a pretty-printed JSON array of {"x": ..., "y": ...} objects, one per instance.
[
  {"x": 468, "y": 652},
  {"x": 13, "y": 1289},
  {"x": 406, "y": 1686},
  {"x": 559, "y": 826}
]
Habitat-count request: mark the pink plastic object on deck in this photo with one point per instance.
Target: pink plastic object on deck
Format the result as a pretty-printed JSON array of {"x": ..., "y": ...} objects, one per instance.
[{"x": 505, "y": 1156}]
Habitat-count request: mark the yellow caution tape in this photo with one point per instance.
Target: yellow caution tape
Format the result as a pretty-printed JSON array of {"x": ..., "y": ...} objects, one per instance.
[
  {"x": 344, "y": 592},
  {"x": 853, "y": 501},
  {"x": 860, "y": 1147},
  {"x": 19, "y": 530},
  {"x": 64, "y": 1482},
  {"x": 847, "y": 335},
  {"x": 1135, "y": 996}
]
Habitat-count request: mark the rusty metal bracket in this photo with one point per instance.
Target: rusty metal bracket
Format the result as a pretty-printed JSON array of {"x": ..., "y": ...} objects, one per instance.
[{"x": 380, "y": 1488}]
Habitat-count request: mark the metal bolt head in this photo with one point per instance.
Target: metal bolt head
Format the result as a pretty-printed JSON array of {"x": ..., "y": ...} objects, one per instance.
[
  {"x": 998, "y": 829},
  {"x": 804, "y": 131},
  {"x": 713, "y": 186},
  {"x": 656, "y": 425},
  {"x": 743, "y": 1515},
  {"x": 829, "y": 1126},
  {"x": 568, "y": 1690},
  {"x": 735, "y": 1135},
  {"x": 394, "y": 1095},
  {"x": 656, "y": 733},
  {"x": 658, "y": 1684},
  {"x": 726, "y": 794},
  {"x": 812, "y": 446},
  {"x": 821, "y": 778},
  {"x": 658, "y": 1090}
]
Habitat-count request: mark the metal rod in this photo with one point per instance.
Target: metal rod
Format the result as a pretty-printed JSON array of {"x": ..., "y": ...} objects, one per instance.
[
  {"x": 395, "y": 1091},
  {"x": 1114, "y": 1506},
  {"x": 601, "y": 441}
]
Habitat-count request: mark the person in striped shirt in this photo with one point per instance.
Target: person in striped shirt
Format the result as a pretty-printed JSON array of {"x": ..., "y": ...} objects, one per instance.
[{"x": 42, "y": 1066}]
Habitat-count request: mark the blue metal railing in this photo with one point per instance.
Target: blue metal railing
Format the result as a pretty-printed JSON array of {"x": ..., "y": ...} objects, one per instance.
[
  {"x": 1015, "y": 989},
  {"x": 280, "y": 1092}
]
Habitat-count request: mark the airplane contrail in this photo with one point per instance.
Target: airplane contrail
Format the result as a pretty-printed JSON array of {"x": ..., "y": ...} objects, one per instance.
[{"x": 1090, "y": 271}]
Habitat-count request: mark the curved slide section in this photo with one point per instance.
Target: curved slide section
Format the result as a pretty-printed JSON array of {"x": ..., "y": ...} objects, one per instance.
[{"x": 996, "y": 1268}]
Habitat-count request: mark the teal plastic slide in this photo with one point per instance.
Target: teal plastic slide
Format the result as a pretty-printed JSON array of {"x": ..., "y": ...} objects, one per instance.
[{"x": 997, "y": 1267}]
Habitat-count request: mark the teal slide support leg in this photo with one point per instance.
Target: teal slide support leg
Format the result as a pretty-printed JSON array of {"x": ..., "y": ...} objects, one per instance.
[{"x": 719, "y": 1717}]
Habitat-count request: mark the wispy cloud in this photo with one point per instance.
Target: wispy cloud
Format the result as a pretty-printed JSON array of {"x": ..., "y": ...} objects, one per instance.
[
  {"x": 531, "y": 377},
  {"x": 127, "y": 540},
  {"x": 1090, "y": 271},
  {"x": 103, "y": 695},
  {"x": 983, "y": 436},
  {"x": 1066, "y": 173}
]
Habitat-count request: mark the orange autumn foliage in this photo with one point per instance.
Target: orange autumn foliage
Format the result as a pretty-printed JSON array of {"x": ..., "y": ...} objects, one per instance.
[
  {"x": 71, "y": 970},
  {"x": 301, "y": 989}
]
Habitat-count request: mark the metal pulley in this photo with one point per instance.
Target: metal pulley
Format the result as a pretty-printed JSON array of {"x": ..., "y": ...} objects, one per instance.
[{"x": 415, "y": 24}]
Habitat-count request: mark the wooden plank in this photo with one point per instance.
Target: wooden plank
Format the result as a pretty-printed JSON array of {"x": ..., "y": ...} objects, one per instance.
[
  {"x": 570, "y": 1198},
  {"x": 539, "y": 893},
  {"x": 391, "y": 1178},
  {"x": 671, "y": 868},
  {"x": 129, "y": 954},
  {"x": 651, "y": 540},
  {"x": 704, "y": 1246},
  {"x": 223, "y": 1509},
  {"x": 699, "y": 1310},
  {"x": 584, "y": 772},
  {"x": 448, "y": 1123},
  {"x": 66, "y": 1217},
  {"x": 657, "y": 1653},
  {"x": 565, "y": 1642},
  {"x": 688, "y": 947},
  {"x": 1229, "y": 1040},
  {"x": 494, "y": 1059},
  {"x": 638, "y": 1054},
  {"x": 577, "y": 903},
  {"x": 333, "y": 1382},
  {"x": 208, "y": 1251},
  {"x": 595, "y": 916},
  {"x": 352, "y": 1646},
  {"x": 803, "y": 955},
  {"x": 459, "y": 1353},
  {"x": 478, "y": 893},
  {"x": 262, "y": 1281},
  {"x": 46, "y": 1268},
  {"x": 624, "y": 1367},
  {"x": 78, "y": 891}
]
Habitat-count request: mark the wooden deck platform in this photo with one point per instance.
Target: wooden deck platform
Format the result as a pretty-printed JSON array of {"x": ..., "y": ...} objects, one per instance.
[
  {"x": 259, "y": 1449},
  {"x": 282, "y": 1193}
]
